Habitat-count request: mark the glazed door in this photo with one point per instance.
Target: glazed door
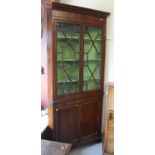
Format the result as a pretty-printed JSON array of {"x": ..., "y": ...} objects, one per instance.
[
  {"x": 93, "y": 50},
  {"x": 68, "y": 58},
  {"x": 67, "y": 123},
  {"x": 79, "y": 56}
]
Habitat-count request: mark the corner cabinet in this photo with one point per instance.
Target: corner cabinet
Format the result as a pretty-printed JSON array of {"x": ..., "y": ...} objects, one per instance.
[{"x": 76, "y": 51}]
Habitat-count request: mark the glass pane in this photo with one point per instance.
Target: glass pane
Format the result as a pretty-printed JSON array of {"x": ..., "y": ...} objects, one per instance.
[
  {"x": 68, "y": 50},
  {"x": 92, "y": 58}
]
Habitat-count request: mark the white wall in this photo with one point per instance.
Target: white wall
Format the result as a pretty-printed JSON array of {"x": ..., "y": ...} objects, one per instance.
[{"x": 103, "y": 5}]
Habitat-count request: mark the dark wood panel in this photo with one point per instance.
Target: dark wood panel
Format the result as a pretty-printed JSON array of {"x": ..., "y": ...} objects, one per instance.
[
  {"x": 78, "y": 18},
  {"x": 77, "y": 9},
  {"x": 77, "y": 96},
  {"x": 51, "y": 58},
  {"x": 67, "y": 123},
  {"x": 89, "y": 115}
]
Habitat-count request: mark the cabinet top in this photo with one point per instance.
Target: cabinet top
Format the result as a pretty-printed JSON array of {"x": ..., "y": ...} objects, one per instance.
[{"x": 77, "y": 9}]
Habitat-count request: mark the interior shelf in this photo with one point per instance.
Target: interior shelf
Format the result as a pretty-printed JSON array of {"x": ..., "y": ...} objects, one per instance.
[
  {"x": 63, "y": 38},
  {"x": 68, "y": 60},
  {"x": 77, "y": 38},
  {"x": 95, "y": 60},
  {"x": 91, "y": 79},
  {"x": 88, "y": 39},
  {"x": 73, "y": 81}
]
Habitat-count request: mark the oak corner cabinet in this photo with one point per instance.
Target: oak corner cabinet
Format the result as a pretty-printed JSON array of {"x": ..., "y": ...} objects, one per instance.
[{"x": 75, "y": 52}]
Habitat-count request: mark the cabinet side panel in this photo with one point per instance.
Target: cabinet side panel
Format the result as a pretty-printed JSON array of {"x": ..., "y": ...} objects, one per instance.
[
  {"x": 50, "y": 116},
  {"x": 50, "y": 44}
]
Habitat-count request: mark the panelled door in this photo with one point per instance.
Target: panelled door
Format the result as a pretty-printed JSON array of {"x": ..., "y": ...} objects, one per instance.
[
  {"x": 79, "y": 120},
  {"x": 68, "y": 123},
  {"x": 90, "y": 118}
]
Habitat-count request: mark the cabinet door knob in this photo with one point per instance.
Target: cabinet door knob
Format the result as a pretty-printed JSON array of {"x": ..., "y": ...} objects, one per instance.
[{"x": 57, "y": 110}]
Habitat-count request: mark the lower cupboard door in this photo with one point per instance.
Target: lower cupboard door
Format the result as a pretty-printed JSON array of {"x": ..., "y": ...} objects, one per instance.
[
  {"x": 90, "y": 119},
  {"x": 68, "y": 124}
]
